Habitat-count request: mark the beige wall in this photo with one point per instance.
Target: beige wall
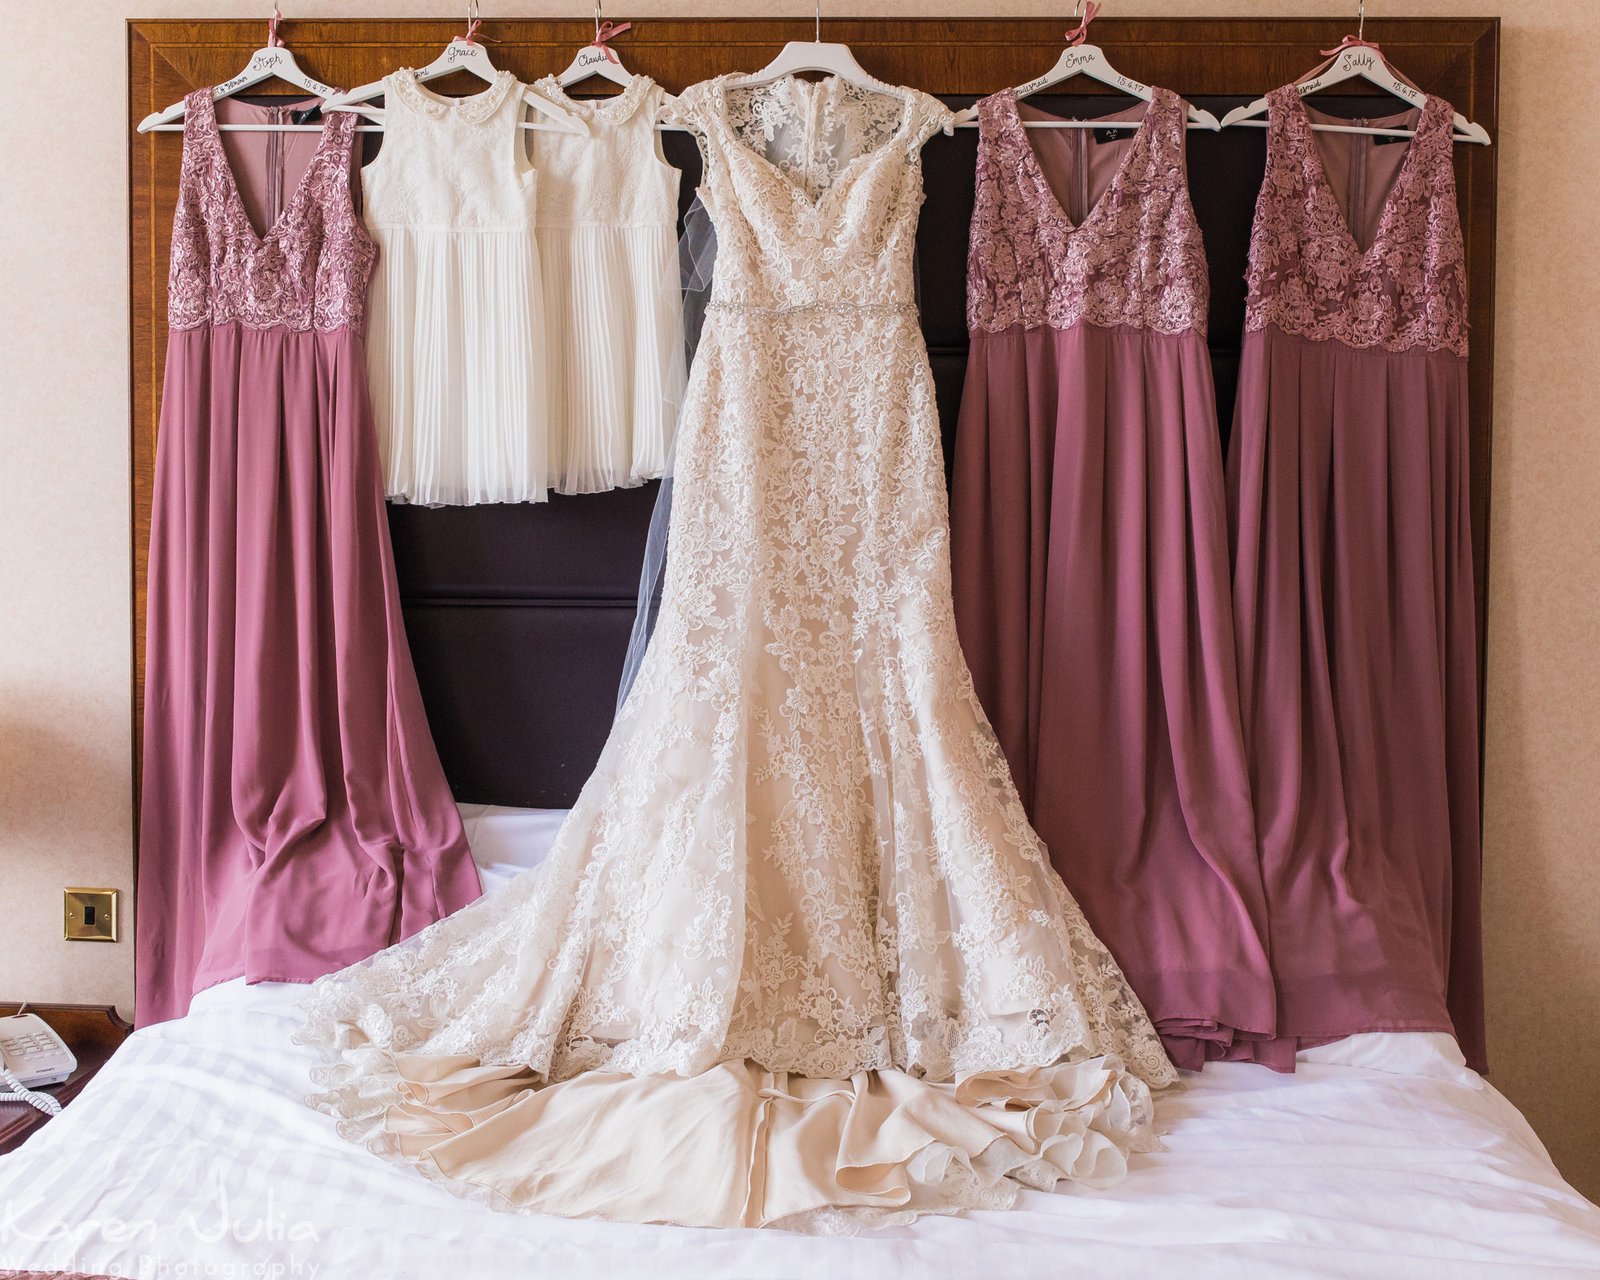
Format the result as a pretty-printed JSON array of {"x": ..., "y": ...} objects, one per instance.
[{"x": 64, "y": 619}]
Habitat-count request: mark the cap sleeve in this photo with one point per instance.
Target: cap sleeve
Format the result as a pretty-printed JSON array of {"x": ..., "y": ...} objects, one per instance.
[
  {"x": 691, "y": 108},
  {"x": 928, "y": 117}
]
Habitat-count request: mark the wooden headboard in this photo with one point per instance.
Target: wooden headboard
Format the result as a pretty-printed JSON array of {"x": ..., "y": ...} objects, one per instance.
[{"x": 518, "y": 616}]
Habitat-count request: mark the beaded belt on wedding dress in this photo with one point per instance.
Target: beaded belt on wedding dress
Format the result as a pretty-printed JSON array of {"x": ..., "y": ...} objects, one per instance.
[{"x": 745, "y": 308}]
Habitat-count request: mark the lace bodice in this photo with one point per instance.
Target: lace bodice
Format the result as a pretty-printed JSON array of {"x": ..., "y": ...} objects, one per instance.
[
  {"x": 616, "y": 176},
  {"x": 1308, "y": 276},
  {"x": 811, "y": 131},
  {"x": 451, "y": 163},
  {"x": 1136, "y": 259},
  {"x": 814, "y": 189},
  {"x": 309, "y": 270}
]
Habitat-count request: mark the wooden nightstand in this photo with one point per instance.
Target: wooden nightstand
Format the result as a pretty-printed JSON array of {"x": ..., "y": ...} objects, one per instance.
[{"x": 92, "y": 1032}]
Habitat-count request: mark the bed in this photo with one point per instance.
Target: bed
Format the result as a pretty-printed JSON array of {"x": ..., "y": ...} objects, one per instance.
[{"x": 192, "y": 1154}]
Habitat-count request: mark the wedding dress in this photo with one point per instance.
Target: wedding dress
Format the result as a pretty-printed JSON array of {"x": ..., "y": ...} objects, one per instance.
[{"x": 796, "y": 957}]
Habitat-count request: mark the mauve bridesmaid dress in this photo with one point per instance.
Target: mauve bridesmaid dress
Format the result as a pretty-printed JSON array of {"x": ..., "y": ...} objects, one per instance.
[
  {"x": 294, "y": 815},
  {"x": 1090, "y": 559},
  {"x": 1348, "y": 479}
]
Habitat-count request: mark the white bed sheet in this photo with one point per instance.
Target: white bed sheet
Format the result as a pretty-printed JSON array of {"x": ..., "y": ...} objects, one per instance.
[{"x": 192, "y": 1154}]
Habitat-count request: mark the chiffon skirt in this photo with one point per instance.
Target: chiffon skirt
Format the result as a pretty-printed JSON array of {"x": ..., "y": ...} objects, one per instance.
[
  {"x": 294, "y": 817},
  {"x": 616, "y": 366},
  {"x": 1348, "y": 481},
  {"x": 458, "y": 366},
  {"x": 1092, "y": 595}
]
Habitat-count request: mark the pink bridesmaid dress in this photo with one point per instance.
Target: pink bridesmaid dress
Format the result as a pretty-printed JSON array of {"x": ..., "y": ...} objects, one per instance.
[
  {"x": 1348, "y": 493},
  {"x": 1090, "y": 561},
  {"x": 294, "y": 814}
]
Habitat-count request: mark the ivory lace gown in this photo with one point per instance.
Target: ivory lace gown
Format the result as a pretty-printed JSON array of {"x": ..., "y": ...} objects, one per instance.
[{"x": 796, "y": 950}]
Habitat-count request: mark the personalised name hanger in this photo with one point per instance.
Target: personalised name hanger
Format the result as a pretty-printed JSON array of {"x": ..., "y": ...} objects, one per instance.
[
  {"x": 273, "y": 61},
  {"x": 1357, "y": 58},
  {"x": 1082, "y": 59},
  {"x": 463, "y": 53}
]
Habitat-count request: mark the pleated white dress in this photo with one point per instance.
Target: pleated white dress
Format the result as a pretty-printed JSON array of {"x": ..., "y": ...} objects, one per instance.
[
  {"x": 457, "y": 336},
  {"x": 608, "y": 245}
]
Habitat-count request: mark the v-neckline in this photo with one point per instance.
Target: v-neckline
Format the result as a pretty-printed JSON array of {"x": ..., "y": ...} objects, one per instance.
[
  {"x": 236, "y": 196},
  {"x": 1320, "y": 177},
  {"x": 1052, "y": 202},
  {"x": 795, "y": 190}
]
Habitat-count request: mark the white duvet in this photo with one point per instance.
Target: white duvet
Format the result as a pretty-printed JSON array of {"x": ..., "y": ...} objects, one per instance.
[{"x": 192, "y": 1155}]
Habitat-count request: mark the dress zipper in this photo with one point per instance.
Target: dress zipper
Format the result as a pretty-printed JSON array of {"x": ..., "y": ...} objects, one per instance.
[
  {"x": 279, "y": 115},
  {"x": 1359, "y": 159},
  {"x": 1085, "y": 141}
]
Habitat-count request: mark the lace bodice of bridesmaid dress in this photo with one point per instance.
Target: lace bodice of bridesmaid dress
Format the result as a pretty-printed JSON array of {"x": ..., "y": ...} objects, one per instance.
[
  {"x": 1308, "y": 276},
  {"x": 1134, "y": 259},
  {"x": 307, "y": 271},
  {"x": 451, "y": 163}
]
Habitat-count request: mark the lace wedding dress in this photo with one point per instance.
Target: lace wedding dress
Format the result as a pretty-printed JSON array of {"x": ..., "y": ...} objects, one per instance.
[{"x": 797, "y": 957}]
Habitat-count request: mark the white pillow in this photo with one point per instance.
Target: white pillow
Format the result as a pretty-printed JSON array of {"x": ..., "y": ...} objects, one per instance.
[{"x": 1434, "y": 1054}]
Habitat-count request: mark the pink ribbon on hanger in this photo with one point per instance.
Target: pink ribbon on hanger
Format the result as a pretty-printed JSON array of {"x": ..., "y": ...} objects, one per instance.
[
  {"x": 1080, "y": 33},
  {"x": 605, "y": 31},
  {"x": 1350, "y": 42},
  {"x": 472, "y": 30},
  {"x": 274, "y": 40}
]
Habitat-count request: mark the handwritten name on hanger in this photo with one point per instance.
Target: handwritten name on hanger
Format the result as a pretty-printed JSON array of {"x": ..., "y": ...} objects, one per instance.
[
  {"x": 593, "y": 57},
  {"x": 1072, "y": 61},
  {"x": 263, "y": 63},
  {"x": 1355, "y": 61}
]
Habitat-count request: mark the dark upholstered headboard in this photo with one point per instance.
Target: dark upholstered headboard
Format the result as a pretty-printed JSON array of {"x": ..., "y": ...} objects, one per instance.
[{"x": 519, "y": 616}]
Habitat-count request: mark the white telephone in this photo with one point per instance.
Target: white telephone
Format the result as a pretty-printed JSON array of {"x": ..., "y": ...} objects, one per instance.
[{"x": 32, "y": 1054}]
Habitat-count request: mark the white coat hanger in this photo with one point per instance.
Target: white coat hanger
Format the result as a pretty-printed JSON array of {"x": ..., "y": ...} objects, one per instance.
[
  {"x": 829, "y": 58},
  {"x": 273, "y": 61},
  {"x": 464, "y": 53},
  {"x": 1082, "y": 59},
  {"x": 1355, "y": 57},
  {"x": 598, "y": 58}
]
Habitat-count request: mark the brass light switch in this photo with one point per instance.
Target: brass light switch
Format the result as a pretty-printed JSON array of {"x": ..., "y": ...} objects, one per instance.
[{"x": 90, "y": 915}]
